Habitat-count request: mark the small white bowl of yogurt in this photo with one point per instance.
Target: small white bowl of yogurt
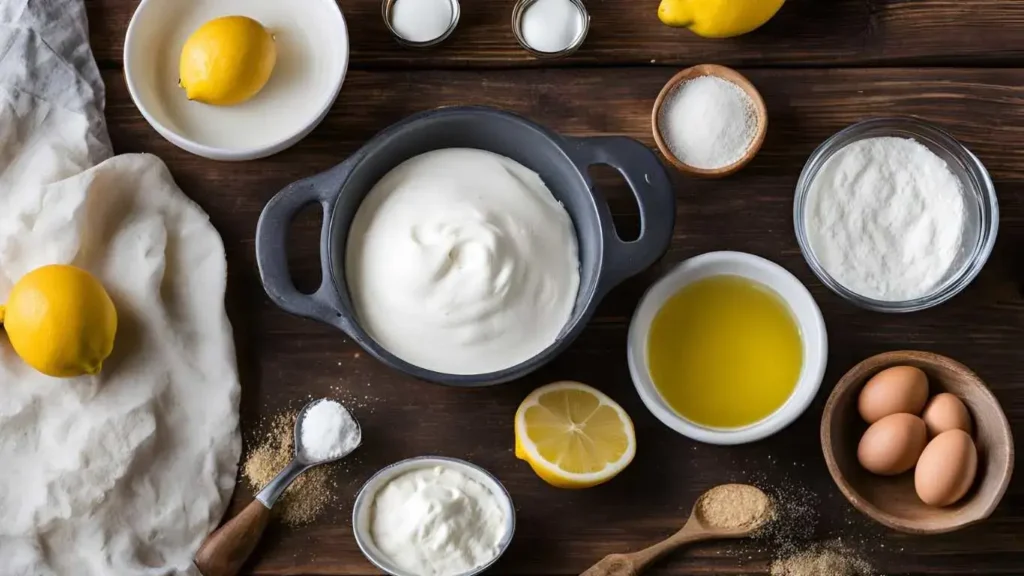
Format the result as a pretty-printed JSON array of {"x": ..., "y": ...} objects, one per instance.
[
  {"x": 312, "y": 44},
  {"x": 433, "y": 516}
]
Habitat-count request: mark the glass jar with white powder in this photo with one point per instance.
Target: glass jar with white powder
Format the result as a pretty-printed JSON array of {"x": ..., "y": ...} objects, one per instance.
[
  {"x": 550, "y": 28},
  {"x": 421, "y": 23},
  {"x": 895, "y": 215}
]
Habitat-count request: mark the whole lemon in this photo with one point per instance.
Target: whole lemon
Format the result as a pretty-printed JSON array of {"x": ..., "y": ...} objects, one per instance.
[
  {"x": 718, "y": 18},
  {"x": 61, "y": 321},
  {"x": 227, "y": 61}
]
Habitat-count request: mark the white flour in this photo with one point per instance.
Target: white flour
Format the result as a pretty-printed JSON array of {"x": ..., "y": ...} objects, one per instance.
[
  {"x": 885, "y": 217},
  {"x": 328, "y": 431}
]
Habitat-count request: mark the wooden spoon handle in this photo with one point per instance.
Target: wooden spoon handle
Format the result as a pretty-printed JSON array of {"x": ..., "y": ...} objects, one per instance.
[
  {"x": 225, "y": 551},
  {"x": 636, "y": 563}
]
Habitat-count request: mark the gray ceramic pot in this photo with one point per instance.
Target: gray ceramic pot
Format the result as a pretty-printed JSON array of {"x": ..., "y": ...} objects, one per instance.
[{"x": 562, "y": 163}]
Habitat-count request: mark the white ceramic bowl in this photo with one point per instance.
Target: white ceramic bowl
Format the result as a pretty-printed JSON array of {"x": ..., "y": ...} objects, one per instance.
[
  {"x": 312, "y": 58},
  {"x": 362, "y": 511},
  {"x": 766, "y": 272}
]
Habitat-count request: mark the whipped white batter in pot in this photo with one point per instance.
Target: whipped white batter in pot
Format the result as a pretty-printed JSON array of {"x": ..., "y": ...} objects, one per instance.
[{"x": 461, "y": 261}]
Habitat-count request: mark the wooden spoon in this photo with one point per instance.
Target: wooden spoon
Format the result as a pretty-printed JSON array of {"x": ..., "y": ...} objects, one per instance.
[{"x": 697, "y": 529}]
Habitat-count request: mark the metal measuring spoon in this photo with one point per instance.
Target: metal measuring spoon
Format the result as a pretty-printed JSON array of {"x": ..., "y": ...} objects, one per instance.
[{"x": 225, "y": 551}]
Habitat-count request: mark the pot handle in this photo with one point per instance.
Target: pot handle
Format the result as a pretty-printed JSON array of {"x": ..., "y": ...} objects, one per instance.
[
  {"x": 272, "y": 238},
  {"x": 652, "y": 188}
]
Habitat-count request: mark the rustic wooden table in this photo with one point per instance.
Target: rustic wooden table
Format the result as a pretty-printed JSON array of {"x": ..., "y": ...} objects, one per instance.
[{"x": 821, "y": 65}]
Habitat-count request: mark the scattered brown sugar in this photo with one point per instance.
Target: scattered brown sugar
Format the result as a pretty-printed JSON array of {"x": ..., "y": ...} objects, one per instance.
[
  {"x": 734, "y": 506},
  {"x": 793, "y": 537},
  {"x": 830, "y": 559},
  {"x": 794, "y": 517},
  {"x": 311, "y": 492}
]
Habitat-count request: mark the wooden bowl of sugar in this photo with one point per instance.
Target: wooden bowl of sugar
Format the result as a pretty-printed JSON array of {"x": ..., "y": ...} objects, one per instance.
[{"x": 709, "y": 121}]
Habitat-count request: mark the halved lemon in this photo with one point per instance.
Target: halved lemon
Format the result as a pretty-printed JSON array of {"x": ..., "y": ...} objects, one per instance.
[{"x": 574, "y": 436}]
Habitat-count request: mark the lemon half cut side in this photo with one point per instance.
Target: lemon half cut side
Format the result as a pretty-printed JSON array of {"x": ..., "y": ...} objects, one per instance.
[{"x": 574, "y": 436}]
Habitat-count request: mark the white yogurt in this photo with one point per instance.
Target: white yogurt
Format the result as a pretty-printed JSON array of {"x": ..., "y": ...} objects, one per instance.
[
  {"x": 461, "y": 261},
  {"x": 551, "y": 25},
  {"x": 421, "y": 20},
  {"x": 437, "y": 522}
]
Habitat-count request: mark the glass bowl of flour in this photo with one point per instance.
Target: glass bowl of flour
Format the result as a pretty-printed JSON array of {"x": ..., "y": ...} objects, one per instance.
[{"x": 895, "y": 215}]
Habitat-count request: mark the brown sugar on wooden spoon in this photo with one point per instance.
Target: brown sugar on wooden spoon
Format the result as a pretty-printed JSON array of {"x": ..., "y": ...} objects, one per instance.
[
  {"x": 734, "y": 506},
  {"x": 727, "y": 511}
]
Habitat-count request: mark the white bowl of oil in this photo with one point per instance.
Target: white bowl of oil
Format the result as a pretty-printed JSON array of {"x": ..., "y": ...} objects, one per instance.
[{"x": 727, "y": 348}]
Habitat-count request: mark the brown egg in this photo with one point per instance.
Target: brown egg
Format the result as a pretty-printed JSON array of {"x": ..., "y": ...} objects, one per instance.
[
  {"x": 946, "y": 469},
  {"x": 945, "y": 412},
  {"x": 893, "y": 444},
  {"x": 892, "y": 391}
]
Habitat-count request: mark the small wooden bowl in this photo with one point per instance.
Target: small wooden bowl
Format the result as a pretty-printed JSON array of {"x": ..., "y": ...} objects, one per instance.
[
  {"x": 892, "y": 501},
  {"x": 727, "y": 74}
]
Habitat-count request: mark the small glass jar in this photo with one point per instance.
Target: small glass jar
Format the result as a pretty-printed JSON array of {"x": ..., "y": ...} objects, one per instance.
[
  {"x": 517, "y": 28},
  {"x": 387, "y": 8}
]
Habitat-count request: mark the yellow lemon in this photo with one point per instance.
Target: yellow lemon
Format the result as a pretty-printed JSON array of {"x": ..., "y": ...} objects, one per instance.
[
  {"x": 718, "y": 18},
  {"x": 573, "y": 436},
  {"x": 61, "y": 321},
  {"x": 227, "y": 61}
]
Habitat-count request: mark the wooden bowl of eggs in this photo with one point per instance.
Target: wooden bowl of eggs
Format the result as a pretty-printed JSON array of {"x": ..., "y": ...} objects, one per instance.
[{"x": 917, "y": 442}]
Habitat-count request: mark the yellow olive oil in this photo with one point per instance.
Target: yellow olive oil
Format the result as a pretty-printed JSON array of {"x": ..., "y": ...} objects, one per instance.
[{"x": 725, "y": 352}]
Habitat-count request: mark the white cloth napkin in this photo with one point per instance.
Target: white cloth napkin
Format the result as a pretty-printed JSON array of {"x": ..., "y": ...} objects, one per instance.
[{"x": 123, "y": 473}]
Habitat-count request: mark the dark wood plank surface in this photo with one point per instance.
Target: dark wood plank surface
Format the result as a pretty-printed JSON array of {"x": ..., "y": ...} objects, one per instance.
[
  {"x": 285, "y": 359},
  {"x": 821, "y": 65},
  {"x": 805, "y": 33}
]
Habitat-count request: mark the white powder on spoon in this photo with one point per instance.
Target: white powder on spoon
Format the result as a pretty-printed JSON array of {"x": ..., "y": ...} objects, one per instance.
[
  {"x": 885, "y": 218},
  {"x": 708, "y": 122},
  {"x": 328, "y": 431}
]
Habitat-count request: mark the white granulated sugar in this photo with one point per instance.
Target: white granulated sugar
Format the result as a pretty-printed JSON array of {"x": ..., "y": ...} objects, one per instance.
[
  {"x": 551, "y": 25},
  {"x": 328, "y": 431},
  {"x": 421, "y": 20},
  {"x": 885, "y": 218},
  {"x": 708, "y": 122}
]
